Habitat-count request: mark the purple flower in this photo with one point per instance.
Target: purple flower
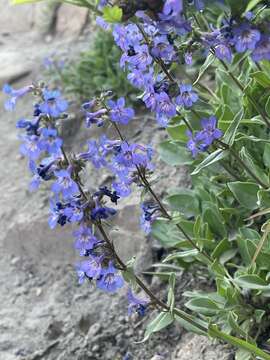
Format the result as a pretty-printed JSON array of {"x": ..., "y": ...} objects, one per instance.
[
  {"x": 150, "y": 100},
  {"x": 262, "y": 50},
  {"x": 74, "y": 211},
  {"x": 31, "y": 147},
  {"x": 223, "y": 52},
  {"x": 245, "y": 37},
  {"x": 172, "y": 7},
  {"x": 64, "y": 184},
  {"x": 136, "y": 78},
  {"x": 210, "y": 131},
  {"x": 199, "y": 4},
  {"x": 110, "y": 280},
  {"x": 49, "y": 141},
  {"x": 122, "y": 188},
  {"x": 15, "y": 95},
  {"x": 80, "y": 269},
  {"x": 188, "y": 58},
  {"x": 142, "y": 59},
  {"x": 46, "y": 168},
  {"x": 165, "y": 108},
  {"x": 136, "y": 304},
  {"x": 119, "y": 113},
  {"x": 192, "y": 144},
  {"x": 102, "y": 212},
  {"x": 132, "y": 155},
  {"x": 173, "y": 24},
  {"x": 126, "y": 36},
  {"x": 53, "y": 104},
  {"x": 102, "y": 23},
  {"x": 162, "y": 48},
  {"x": 93, "y": 154},
  {"x": 187, "y": 96},
  {"x": 85, "y": 240},
  {"x": 57, "y": 215},
  {"x": 93, "y": 266},
  {"x": 31, "y": 126},
  {"x": 205, "y": 137},
  {"x": 96, "y": 117},
  {"x": 104, "y": 191},
  {"x": 148, "y": 216}
]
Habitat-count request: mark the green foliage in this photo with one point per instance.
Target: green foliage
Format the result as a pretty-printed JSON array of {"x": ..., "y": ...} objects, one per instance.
[{"x": 227, "y": 206}]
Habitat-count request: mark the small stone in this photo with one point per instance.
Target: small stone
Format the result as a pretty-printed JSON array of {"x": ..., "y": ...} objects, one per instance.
[
  {"x": 157, "y": 357},
  {"x": 54, "y": 330},
  {"x": 129, "y": 332},
  {"x": 15, "y": 260},
  {"x": 84, "y": 323},
  {"x": 121, "y": 319},
  {"x": 94, "y": 330},
  {"x": 95, "y": 348},
  {"x": 38, "y": 291}
]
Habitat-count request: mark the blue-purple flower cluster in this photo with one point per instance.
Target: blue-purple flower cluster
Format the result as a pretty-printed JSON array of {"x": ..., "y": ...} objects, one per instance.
[
  {"x": 70, "y": 203},
  {"x": 150, "y": 48},
  {"x": 201, "y": 140},
  {"x": 241, "y": 37}
]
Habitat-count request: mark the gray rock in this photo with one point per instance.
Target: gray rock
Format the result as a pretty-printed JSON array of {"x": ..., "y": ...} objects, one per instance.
[{"x": 54, "y": 330}]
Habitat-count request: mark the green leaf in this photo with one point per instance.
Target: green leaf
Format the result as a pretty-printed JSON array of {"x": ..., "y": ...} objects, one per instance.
[
  {"x": 222, "y": 246},
  {"x": 266, "y": 155},
  {"x": 177, "y": 132},
  {"x": 233, "y": 322},
  {"x": 230, "y": 134},
  {"x": 166, "y": 233},
  {"x": 184, "y": 201},
  {"x": 252, "y": 281},
  {"x": 112, "y": 14},
  {"x": 181, "y": 255},
  {"x": 212, "y": 216},
  {"x": 163, "y": 320},
  {"x": 189, "y": 327},
  {"x": 174, "y": 153},
  {"x": 261, "y": 78},
  {"x": 171, "y": 297},
  {"x": 210, "y": 159},
  {"x": 252, "y": 4},
  {"x": 243, "y": 355},
  {"x": 245, "y": 193},
  {"x": 203, "y": 306},
  {"x": 250, "y": 162},
  {"x": 264, "y": 198},
  {"x": 208, "y": 62},
  {"x": 267, "y": 107}
]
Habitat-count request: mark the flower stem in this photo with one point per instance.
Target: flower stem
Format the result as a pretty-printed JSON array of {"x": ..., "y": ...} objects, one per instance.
[{"x": 161, "y": 206}]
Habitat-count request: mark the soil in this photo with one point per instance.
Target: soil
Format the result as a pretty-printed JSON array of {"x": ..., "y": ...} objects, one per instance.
[{"x": 44, "y": 313}]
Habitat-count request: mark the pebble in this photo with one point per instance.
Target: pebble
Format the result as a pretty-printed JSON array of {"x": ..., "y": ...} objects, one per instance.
[
  {"x": 129, "y": 332},
  {"x": 95, "y": 348},
  {"x": 94, "y": 330},
  {"x": 15, "y": 260},
  {"x": 38, "y": 291}
]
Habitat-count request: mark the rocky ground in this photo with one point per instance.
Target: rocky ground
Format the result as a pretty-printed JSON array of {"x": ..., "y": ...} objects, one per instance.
[{"x": 44, "y": 313}]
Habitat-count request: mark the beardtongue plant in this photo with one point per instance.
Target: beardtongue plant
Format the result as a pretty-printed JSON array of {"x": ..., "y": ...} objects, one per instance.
[{"x": 204, "y": 71}]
